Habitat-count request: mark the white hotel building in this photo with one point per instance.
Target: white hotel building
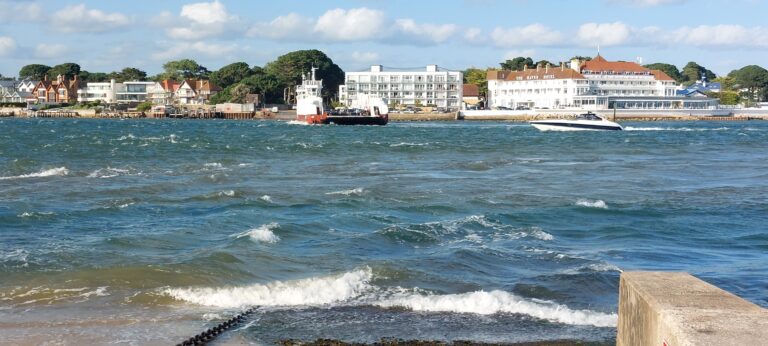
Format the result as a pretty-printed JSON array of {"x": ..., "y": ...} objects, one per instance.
[
  {"x": 434, "y": 86},
  {"x": 594, "y": 84}
]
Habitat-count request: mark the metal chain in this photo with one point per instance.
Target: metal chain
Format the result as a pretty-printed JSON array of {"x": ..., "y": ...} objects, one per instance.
[{"x": 210, "y": 334}]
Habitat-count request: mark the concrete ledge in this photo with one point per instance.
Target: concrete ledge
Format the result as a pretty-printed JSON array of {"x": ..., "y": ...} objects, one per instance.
[{"x": 677, "y": 309}]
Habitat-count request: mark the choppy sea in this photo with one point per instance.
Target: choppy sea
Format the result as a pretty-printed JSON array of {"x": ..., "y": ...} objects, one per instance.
[{"x": 150, "y": 231}]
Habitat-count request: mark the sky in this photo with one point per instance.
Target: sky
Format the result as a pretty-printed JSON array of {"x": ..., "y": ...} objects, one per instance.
[{"x": 105, "y": 36}]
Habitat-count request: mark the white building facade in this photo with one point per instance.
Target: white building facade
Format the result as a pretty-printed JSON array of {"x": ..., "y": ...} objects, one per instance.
[
  {"x": 112, "y": 92},
  {"x": 594, "y": 84},
  {"x": 431, "y": 87},
  {"x": 98, "y": 91}
]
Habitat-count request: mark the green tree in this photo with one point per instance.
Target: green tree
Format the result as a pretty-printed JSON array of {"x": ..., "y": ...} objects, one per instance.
[
  {"x": 753, "y": 78},
  {"x": 288, "y": 69},
  {"x": 477, "y": 77},
  {"x": 726, "y": 82},
  {"x": 581, "y": 58},
  {"x": 266, "y": 85},
  {"x": 517, "y": 64},
  {"x": 231, "y": 74},
  {"x": 68, "y": 70},
  {"x": 543, "y": 63},
  {"x": 239, "y": 92},
  {"x": 729, "y": 97},
  {"x": 95, "y": 77},
  {"x": 179, "y": 70},
  {"x": 131, "y": 74},
  {"x": 669, "y": 69},
  {"x": 33, "y": 71},
  {"x": 693, "y": 72},
  {"x": 5, "y": 78},
  {"x": 144, "y": 106}
]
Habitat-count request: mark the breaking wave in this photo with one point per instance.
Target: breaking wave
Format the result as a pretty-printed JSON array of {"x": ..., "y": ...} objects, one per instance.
[
  {"x": 354, "y": 289},
  {"x": 592, "y": 204},
  {"x": 61, "y": 171},
  {"x": 262, "y": 234},
  {"x": 356, "y": 191},
  {"x": 107, "y": 173},
  {"x": 487, "y": 303},
  {"x": 311, "y": 291}
]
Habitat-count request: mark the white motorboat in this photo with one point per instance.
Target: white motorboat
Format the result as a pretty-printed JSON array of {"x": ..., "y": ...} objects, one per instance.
[{"x": 583, "y": 122}]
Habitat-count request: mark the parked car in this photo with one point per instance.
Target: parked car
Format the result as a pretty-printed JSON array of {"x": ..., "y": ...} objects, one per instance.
[{"x": 522, "y": 108}]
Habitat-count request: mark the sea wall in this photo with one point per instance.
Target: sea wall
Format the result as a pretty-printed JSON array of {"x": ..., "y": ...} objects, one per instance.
[{"x": 677, "y": 309}]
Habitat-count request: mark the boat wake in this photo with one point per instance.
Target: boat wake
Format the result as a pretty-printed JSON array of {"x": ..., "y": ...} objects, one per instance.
[{"x": 61, "y": 171}]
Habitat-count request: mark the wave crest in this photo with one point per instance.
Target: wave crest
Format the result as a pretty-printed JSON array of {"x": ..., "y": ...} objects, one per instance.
[
  {"x": 262, "y": 234},
  {"x": 487, "y": 303},
  {"x": 311, "y": 291},
  {"x": 592, "y": 204}
]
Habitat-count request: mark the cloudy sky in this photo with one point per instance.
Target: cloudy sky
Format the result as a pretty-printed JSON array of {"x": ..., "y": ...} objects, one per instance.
[{"x": 103, "y": 36}]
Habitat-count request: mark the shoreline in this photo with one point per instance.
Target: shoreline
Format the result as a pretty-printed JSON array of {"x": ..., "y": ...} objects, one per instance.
[{"x": 515, "y": 116}]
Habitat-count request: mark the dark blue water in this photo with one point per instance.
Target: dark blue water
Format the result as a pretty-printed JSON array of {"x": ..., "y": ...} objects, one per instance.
[{"x": 150, "y": 231}]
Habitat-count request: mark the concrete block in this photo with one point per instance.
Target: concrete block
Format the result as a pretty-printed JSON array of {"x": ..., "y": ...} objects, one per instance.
[{"x": 677, "y": 309}]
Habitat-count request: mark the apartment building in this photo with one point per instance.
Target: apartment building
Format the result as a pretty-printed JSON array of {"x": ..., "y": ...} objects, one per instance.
[{"x": 431, "y": 87}]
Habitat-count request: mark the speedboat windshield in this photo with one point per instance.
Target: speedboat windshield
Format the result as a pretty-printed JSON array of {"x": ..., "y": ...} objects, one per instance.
[{"x": 589, "y": 116}]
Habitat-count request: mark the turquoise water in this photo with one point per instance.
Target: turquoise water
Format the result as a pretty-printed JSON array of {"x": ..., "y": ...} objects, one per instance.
[{"x": 143, "y": 231}]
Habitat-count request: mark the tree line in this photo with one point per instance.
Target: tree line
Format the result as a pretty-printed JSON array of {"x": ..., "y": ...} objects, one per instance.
[
  {"x": 236, "y": 79},
  {"x": 747, "y": 85}
]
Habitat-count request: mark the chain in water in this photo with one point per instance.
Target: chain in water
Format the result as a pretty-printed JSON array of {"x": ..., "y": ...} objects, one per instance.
[{"x": 212, "y": 333}]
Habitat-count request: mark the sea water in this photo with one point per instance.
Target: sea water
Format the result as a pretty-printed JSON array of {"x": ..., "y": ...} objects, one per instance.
[{"x": 150, "y": 231}]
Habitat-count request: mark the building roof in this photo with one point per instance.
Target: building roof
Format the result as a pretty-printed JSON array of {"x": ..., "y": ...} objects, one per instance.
[
  {"x": 535, "y": 73},
  {"x": 169, "y": 85},
  {"x": 201, "y": 85},
  {"x": 661, "y": 75},
  {"x": 471, "y": 90},
  {"x": 599, "y": 64},
  {"x": 705, "y": 87}
]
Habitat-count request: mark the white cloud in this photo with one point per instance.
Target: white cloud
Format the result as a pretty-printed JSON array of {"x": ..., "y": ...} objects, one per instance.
[
  {"x": 713, "y": 36},
  {"x": 20, "y": 11},
  {"x": 198, "y": 21},
  {"x": 205, "y": 12},
  {"x": 605, "y": 34},
  {"x": 78, "y": 18},
  {"x": 47, "y": 51},
  {"x": 474, "y": 36},
  {"x": 290, "y": 26},
  {"x": 425, "y": 33},
  {"x": 350, "y": 25},
  {"x": 7, "y": 46},
  {"x": 534, "y": 34}
]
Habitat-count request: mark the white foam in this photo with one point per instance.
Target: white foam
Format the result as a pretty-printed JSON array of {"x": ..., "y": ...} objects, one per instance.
[
  {"x": 262, "y": 234},
  {"x": 129, "y": 136},
  {"x": 297, "y": 122},
  {"x": 594, "y": 267},
  {"x": 107, "y": 173},
  {"x": 266, "y": 198},
  {"x": 227, "y": 193},
  {"x": 592, "y": 204},
  {"x": 213, "y": 165},
  {"x": 305, "y": 292},
  {"x": 61, "y": 171},
  {"x": 356, "y": 191},
  {"x": 679, "y": 129},
  {"x": 487, "y": 303},
  {"x": 408, "y": 144},
  {"x": 539, "y": 234},
  {"x": 35, "y": 213}
]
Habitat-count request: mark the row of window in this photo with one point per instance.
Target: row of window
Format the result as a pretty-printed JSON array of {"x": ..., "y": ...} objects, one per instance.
[{"x": 403, "y": 78}]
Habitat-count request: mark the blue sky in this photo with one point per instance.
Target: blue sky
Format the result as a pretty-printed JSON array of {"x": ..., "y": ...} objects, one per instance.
[{"x": 103, "y": 36}]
